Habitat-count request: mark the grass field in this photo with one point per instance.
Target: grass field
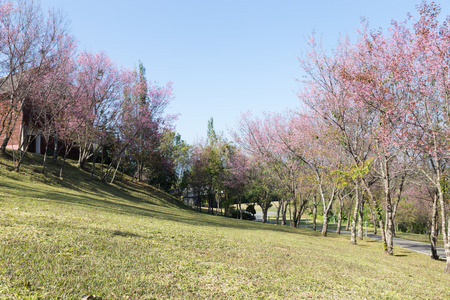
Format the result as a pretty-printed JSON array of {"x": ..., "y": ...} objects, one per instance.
[{"x": 62, "y": 239}]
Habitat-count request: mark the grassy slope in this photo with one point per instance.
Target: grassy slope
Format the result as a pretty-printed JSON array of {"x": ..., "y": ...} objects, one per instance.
[{"x": 64, "y": 239}]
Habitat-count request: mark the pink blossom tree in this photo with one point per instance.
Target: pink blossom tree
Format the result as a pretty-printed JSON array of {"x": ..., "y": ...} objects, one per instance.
[{"x": 32, "y": 47}]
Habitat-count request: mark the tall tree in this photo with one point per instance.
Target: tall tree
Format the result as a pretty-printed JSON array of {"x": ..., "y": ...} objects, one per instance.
[{"x": 31, "y": 47}]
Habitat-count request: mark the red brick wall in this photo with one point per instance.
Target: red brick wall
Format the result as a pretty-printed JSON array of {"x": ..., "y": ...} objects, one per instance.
[{"x": 15, "y": 138}]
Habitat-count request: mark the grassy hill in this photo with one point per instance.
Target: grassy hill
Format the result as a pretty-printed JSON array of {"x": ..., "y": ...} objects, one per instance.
[{"x": 68, "y": 238}]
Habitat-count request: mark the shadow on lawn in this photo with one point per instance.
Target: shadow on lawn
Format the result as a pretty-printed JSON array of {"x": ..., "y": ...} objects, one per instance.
[{"x": 131, "y": 205}]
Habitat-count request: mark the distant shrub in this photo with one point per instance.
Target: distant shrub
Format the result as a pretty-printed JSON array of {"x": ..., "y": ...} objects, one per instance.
[{"x": 251, "y": 209}]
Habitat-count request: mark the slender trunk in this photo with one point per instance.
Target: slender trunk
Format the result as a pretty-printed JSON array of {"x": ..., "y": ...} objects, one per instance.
[
  {"x": 94, "y": 159},
  {"x": 199, "y": 201},
  {"x": 445, "y": 228},
  {"x": 349, "y": 217},
  {"x": 378, "y": 210},
  {"x": 283, "y": 212},
  {"x": 302, "y": 210},
  {"x": 325, "y": 223},
  {"x": 22, "y": 151},
  {"x": 56, "y": 149},
  {"x": 360, "y": 220},
  {"x": 218, "y": 203},
  {"x": 290, "y": 212},
  {"x": 66, "y": 152},
  {"x": 374, "y": 220},
  {"x": 61, "y": 170},
  {"x": 341, "y": 205},
  {"x": 433, "y": 231},
  {"x": 395, "y": 205},
  {"x": 5, "y": 143},
  {"x": 103, "y": 160},
  {"x": 326, "y": 210},
  {"x": 389, "y": 229},
  {"x": 264, "y": 211},
  {"x": 115, "y": 171},
  {"x": 278, "y": 213},
  {"x": 240, "y": 208},
  {"x": 389, "y": 232},
  {"x": 294, "y": 222},
  {"x": 314, "y": 213},
  {"x": 44, "y": 162},
  {"x": 211, "y": 203},
  {"x": 347, "y": 226},
  {"x": 355, "y": 215}
]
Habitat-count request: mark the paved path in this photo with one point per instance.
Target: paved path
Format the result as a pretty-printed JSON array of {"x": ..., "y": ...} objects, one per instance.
[
  {"x": 412, "y": 245},
  {"x": 419, "y": 247},
  {"x": 407, "y": 244}
]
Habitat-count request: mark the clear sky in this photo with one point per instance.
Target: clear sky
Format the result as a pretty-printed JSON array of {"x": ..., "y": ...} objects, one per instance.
[{"x": 223, "y": 57}]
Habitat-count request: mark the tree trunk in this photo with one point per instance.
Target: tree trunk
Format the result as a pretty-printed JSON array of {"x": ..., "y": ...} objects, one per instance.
[
  {"x": 325, "y": 223},
  {"x": 56, "y": 149},
  {"x": 314, "y": 220},
  {"x": 44, "y": 162},
  {"x": 240, "y": 208},
  {"x": 283, "y": 212},
  {"x": 445, "y": 227},
  {"x": 278, "y": 213},
  {"x": 433, "y": 231},
  {"x": 63, "y": 163},
  {"x": 374, "y": 220},
  {"x": 389, "y": 232},
  {"x": 341, "y": 205},
  {"x": 360, "y": 220},
  {"x": 115, "y": 170},
  {"x": 22, "y": 151},
  {"x": 389, "y": 229},
  {"x": 326, "y": 209},
  {"x": 93, "y": 165},
  {"x": 5, "y": 143},
  {"x": 355, "y": 216},
  {"x": 349, "y": 214},
  {"x": 447, "y": 248},
  {"x": 265, "y": 209}
]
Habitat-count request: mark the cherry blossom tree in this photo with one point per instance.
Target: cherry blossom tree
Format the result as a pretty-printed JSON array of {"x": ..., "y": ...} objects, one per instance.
[{"x": 30, "y": 46}]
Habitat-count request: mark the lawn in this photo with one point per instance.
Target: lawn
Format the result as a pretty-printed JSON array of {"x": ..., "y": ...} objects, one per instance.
[{"x": 68, "y": 238}]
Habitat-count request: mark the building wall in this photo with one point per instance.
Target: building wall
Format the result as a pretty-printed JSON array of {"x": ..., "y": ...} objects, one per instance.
[{"x": 16, "y": 133}]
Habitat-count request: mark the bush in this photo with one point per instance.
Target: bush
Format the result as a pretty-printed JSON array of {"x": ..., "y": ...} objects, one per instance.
[
  {"x": 251, "y": 209},
  {"x": 245, "y": 215}
]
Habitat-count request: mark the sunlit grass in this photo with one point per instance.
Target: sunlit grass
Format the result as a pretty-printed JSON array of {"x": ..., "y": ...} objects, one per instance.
[{"x": 67, "y": 238}]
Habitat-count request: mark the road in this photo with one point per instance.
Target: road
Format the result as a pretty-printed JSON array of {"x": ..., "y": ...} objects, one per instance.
[
  {"x": 412, "y": 245},
  {"x": 407, "y": 244}
]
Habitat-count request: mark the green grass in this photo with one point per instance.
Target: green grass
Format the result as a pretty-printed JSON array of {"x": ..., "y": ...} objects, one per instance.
[{"x": 62, "y": 239}]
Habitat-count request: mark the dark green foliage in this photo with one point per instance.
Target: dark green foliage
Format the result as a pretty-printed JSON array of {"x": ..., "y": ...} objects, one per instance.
[{"x": 251, "y": 209}]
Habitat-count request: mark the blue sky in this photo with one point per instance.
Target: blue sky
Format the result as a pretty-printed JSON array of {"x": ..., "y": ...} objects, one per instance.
[{"x": 223, "y": 57}]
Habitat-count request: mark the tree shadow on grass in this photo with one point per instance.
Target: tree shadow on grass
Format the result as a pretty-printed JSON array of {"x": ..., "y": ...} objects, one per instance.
[{"x": 175, "y": 214}]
